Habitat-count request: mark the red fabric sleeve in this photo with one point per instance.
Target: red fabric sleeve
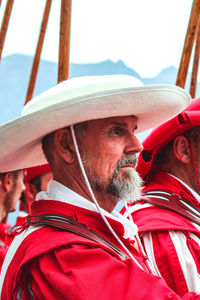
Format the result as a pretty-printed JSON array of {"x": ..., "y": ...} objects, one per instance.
[
  {"x": 3, "y": 251},
  {"x": 168, "y": 262},
  {"x": 95, "y": 275},
  {"x": 194, "y": 248}
]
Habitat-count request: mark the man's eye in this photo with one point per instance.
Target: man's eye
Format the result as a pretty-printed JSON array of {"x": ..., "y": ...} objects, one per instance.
[{"x": 116, "y": 131}]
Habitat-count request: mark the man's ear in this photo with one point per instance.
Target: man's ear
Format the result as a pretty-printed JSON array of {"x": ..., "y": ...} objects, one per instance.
[
  {"x": 64, "y": 145},
  {"x": 7, "y": 182},
  {"x": 182, "y": 149}
]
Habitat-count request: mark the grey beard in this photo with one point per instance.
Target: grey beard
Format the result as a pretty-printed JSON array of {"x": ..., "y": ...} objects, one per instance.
[{"x": 127, "y": 188}]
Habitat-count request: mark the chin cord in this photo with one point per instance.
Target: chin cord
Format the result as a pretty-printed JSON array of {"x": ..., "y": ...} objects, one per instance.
[
  {"x": 140, "y": 246},
  {"x": 27, "y": 198},
  {"x": 95, "y": 201}
]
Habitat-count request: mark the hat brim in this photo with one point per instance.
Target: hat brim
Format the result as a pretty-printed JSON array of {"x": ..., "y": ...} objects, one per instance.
[
  {"x": 36, "y": 171},
  {"x": 21, "y": 138}
]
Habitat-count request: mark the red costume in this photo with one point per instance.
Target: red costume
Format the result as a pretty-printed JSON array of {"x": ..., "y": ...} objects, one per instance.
[
  {"x": 31, "y": 173},
  {"x": 171, "y": 241},
  {"x": 169, "y": 221},
  {"x": 55, "y": 264},
  {"x": 4, "y": 242}
]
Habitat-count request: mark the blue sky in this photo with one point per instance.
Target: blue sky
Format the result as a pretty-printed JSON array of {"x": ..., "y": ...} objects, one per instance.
[{"x": 148, "y": 35}]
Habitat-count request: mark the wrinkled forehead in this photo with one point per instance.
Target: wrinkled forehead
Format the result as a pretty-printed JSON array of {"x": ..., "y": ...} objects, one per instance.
[
  {"x": 95, "y": 127},
  {"x": 124, "y": 120}
]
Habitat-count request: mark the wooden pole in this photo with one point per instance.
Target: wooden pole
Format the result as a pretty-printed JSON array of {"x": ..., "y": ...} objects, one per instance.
[
  {"x": 64, "y": 46},
  {"x": 36, "y": 61},
  {"x": 193, "y": 83},
  {"x": 188, "y": 45},
  {"x": 4, "y": 25}
]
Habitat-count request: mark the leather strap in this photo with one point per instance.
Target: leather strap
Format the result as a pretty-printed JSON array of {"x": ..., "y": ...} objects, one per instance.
[
  {"x": 173, "y": 202},
  {"x": 70, "y": 225}
]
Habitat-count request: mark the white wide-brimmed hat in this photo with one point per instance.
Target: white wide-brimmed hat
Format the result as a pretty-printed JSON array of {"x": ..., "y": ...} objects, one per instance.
[{"x": 81, "y": 99}]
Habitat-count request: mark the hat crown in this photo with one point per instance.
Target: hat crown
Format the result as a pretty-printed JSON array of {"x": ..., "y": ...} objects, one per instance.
[{"x": 71, "y": 89}]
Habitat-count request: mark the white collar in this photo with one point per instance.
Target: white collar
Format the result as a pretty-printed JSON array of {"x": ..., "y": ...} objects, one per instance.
[{"x": 58, "y": 192}]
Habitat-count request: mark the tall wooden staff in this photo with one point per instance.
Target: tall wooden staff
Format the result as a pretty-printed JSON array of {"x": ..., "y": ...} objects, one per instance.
[
  {"x": 64, "y": 47},
  {"x": 195, "y": 67},
  {"x": 188, "y": 45},
  {"x": 3, "y": 32},
  {"x": 36, "y": 61},
  {"x": 5, "y": 22}
]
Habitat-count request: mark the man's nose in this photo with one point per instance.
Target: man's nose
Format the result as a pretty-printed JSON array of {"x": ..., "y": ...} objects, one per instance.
[{"x": 133, "y": 145}]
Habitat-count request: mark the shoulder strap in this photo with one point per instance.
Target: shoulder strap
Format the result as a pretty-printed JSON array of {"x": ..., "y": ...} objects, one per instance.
[
  {"x": 173, "y": 202},
  {"x": 70, "y": 225}
]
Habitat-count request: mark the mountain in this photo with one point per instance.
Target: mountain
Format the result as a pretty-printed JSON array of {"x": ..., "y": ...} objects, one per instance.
[
  {"x": 168, "y": 76},
  {"x": 14, "y": 77},
  {"x": 106, "y": 67},
  {"x": 15, "y": 71}
]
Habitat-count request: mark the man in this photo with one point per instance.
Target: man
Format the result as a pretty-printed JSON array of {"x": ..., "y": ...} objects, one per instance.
[
  {"x": 75, "y": 246},
  {"x": 168, "y": 216},
  {"x": 11, "y": 187},
  {"x": 36, "y": 180}
]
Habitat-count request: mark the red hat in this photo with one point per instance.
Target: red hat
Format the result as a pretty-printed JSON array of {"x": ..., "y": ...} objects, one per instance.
[
  {"x": 163, "y": 134},
  {"x": 36, "y": 171}
]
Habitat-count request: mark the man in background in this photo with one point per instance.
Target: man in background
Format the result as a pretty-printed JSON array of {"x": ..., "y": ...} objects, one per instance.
[
  {"x": 168, "y": 214},
  {"x": 11, "y": 188},
  {"x": 36, "y": 180}
]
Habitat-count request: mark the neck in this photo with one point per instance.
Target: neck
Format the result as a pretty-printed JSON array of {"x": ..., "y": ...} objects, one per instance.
[
  {"x": 185, "y": 174},
  {"x": 2, "y": 206},
  {"x": 105, "y": 201},
  {"x": 2, "y": 213}
]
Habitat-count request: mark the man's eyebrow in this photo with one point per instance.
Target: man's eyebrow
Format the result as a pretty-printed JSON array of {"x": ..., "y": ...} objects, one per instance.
[
  {"x": 123, "y": 124},
  {"x": 120, "y": 124}
]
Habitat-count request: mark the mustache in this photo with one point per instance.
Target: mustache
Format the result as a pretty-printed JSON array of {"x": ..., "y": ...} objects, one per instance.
[{"x": 131, "y": 159}]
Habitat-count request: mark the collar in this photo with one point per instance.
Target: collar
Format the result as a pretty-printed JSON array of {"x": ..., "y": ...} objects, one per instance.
[
  {"x": 193, "y": 192},
  {"x": 58, "y": 192}
]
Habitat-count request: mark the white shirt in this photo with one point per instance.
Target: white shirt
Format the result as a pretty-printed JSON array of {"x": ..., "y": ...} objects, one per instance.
[{"x": 58, "y": 192}]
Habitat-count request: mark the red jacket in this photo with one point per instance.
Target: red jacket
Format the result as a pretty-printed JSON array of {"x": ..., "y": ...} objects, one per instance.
[
  {"x": 54, "y": 264},
  {"x": 171, "y": 241},
  {"x": 4, "y": 243}
]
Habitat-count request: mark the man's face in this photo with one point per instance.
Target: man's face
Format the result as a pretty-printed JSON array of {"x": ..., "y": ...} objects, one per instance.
[
  {"x": 108, "y": 150},
  {"x": 14, "y": 194}
]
